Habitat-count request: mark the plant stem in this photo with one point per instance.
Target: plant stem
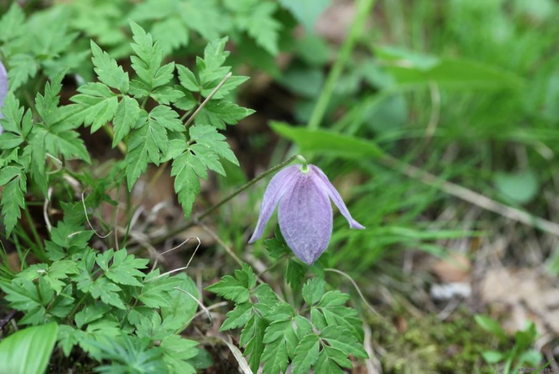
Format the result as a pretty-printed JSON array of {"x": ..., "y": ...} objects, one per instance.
[
  {"x": 187, "y": 124},
  {"x": 214, "y": 207},
  {"x": 41, "y": 254},
  {"x": 363, "y": 9},
  {"x": 111, "y": 133}
]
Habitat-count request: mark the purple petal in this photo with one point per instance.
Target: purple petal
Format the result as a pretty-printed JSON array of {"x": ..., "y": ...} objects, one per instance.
[
  {"x": 324, "y": 183},
  {"x": 305, "y": 218},
  {"x": 281, "y": 183}
]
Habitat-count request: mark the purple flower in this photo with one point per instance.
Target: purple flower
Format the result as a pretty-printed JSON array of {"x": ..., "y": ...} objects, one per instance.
[
  {"x": 305, "y": 212},
  {"x": 3, "y": 89}
]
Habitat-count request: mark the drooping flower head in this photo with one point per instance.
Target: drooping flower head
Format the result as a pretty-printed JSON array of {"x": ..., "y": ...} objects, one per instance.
[
  {"x": 305, "y": 213},
  {"x": 3, "y": 89}
]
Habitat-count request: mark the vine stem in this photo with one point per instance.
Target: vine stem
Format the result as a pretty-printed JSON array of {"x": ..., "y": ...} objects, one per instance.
[
  {"x": 216, "y": 206},
  {"x": 363, "y": 9}
]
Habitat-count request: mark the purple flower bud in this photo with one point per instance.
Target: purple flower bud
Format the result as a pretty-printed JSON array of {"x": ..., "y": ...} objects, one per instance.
[
  {"x": 305, "y": 212},
  {"x": 3, "y": 89}
]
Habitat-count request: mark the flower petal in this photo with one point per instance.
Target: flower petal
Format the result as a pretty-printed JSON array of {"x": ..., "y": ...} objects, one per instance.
[
  {"x": 324, "y": 183},
  {"x": 305, "y": 218},
  {"x": 278, "y": 186}
]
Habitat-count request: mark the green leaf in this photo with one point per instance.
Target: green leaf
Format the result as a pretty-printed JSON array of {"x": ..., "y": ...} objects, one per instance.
[
  {"x": 94, "y": 106},
  {"x": 255, "y": 346},
  {"x": 221, "y": 113},
  {"x": 155, "y": 292},
  {"x": 205, "y": 17},
  {"x": 28, "y": 350},
  {"x": 148, "y": 142},
  {"x": 329, "y": 360},
  {"x": 306, "y": 11},
  {"x": 414, "y": 69},
  {"x": 170, "y": 33},
  {"x": 12, "y": 23},
  {"x": 231, "y": 289},
  {"x": 306, "y": 354},
  {"x": 237, "y": 317},
  {"x": 108, "y": 70},
  {"x": 275, "y": 357},
  {"x": 193, "y": 163},
  {"x": 521, "y": 187},
  {"x": 107, "y": 292},
  {"x": 167, "y": 118},
  {"x": 91, "y": 313},
  {"x": 328, "y": 141},
  {"x": 492, "y": 357},
  {"x": 340, "y": 338},
  {"x": 22, "y": 67},
  {"x": 260, "y": 24},
  {"x": 182, "y": 305},
  {"x": 295, "y": 274},
  {"x": 210, "y": 138},
  {"x": 126, "y": 118},
  {"x": 124, "y": 269},
  {"x": 490, "y": 325},
  {"x": 188, "y": 79},
  {"x": 176, "y": 352},
  {"x": 313, "y": 290},
  {"x": 14, "y": 120},
  {"x": 13, "y": 200},
  {"x": 148, "y": 59}
]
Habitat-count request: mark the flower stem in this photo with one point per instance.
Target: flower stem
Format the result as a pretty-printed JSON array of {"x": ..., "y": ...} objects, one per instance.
[
  {"x": 216, "y": 206},
  {"x": 363, "y": 10}
]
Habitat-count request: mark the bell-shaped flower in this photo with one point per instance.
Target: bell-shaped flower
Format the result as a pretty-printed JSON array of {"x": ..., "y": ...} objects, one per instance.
[
  {"x": 305, "y": 212},
  {"x": 3, "y": 89}
]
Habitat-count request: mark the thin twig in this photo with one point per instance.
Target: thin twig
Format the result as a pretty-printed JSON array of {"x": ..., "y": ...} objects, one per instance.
[
  {"x": 46, "y": 209},
  {"x": 208, "y": 211},
  {"x": 356, "y": 288},
  {"x": 89, "y": 222},
  {"x": 225, "y": 246},
  {"x": 208, "y": 99},
  {"x": 181, "y": 268},
  {"x": 471, "y": 196}
]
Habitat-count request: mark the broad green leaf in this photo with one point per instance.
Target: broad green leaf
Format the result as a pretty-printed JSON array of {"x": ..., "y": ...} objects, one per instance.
[
  {"x": 28, "y": 350},
  {"x": 328, "y": 141},
  {"x": 410, "y": 68}
]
